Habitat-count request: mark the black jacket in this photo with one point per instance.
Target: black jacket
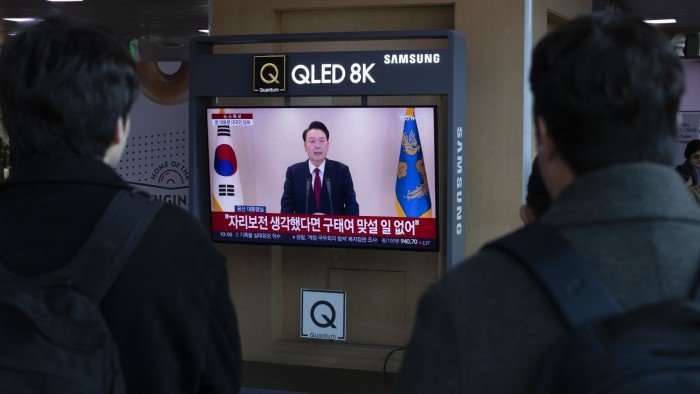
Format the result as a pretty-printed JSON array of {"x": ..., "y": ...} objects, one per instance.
[
  {"x": 688, "y": 172},
  {"x": 169, "y": 311}
]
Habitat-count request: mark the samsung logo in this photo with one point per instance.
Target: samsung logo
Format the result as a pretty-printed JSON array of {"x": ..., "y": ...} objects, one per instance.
[{"x": 412, "y": 58}]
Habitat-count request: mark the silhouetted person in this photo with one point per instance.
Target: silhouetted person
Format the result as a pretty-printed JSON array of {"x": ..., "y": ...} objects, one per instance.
[
  {"x": 605, "y": 139},
  {"x": 66, "y": 90}
]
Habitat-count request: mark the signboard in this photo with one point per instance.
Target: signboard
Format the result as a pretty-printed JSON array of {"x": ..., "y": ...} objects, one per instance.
[
  {"x": 323, "y": 314},
  {"x": 324, "y": 73},
  {"x": 156, "y": 156},
  {"x": 382, "y": 72}
]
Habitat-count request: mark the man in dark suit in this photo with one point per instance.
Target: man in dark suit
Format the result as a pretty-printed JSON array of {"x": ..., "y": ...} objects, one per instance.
[{"x": 319, "y": 185}]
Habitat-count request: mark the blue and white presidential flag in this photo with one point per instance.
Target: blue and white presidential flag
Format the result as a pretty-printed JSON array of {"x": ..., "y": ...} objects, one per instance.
[{"x": 412, "y": 192}]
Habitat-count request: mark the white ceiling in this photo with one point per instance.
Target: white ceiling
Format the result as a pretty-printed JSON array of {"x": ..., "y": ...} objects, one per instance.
[
  {"x": 164, "y": 22},
  {"x": 174, "y": 22},
  {"x": 686, "y": 12}
]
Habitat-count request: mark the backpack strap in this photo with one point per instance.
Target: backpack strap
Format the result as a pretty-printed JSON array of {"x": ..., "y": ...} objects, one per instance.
[
  {"x": 94, "y": 268},
  {"x": 574, "y": 286},
  {"x": 119, "y": 230},
  {"x": 695, "y": 288}
]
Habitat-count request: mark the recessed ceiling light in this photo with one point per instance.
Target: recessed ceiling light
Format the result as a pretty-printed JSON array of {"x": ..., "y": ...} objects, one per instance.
[
  {"x": 659, "y": 21},
  {"x": 204, "y": 31},
  {"x": 20, "y": 20}
]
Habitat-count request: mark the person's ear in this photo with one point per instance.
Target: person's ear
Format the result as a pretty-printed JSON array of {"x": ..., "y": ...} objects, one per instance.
[
  {"x": 121, "y": 129},
  {"x": 556, "y": 173},
  {"x": 545, "y": 145},
  {"x": 527, "y": 215},
  {"x": 117, "y": 135},
  {"x": 118, "y": 142}
]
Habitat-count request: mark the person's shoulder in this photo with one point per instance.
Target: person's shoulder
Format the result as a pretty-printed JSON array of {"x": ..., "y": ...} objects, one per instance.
[
  {"x": 299, "y": 166},
  {"x": 479, "y": 261},
  {"x": 487, "y": 269},
  {"x": 685, "y": 166},
  {"x": 176, "y": 219},
  {"x": 336, "y": 164},
  {"x": 176, "y": 231},
  {"x": 165, "y": 210},
  {"x": 475, "y": 287}
]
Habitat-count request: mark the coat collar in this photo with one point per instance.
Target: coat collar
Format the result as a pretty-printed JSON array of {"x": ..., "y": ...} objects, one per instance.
[
  {"x": 624, "y": 192},
  {"x": 64, "y": 169}
]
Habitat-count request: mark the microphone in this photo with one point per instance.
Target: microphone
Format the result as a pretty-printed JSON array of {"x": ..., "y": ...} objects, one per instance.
[
  {"x": 330, "y": 199},
  {"x": 308, "y": 187}
]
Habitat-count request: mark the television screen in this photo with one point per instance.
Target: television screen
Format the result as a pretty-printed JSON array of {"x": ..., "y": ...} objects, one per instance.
[{"x": 375, "y": 188}]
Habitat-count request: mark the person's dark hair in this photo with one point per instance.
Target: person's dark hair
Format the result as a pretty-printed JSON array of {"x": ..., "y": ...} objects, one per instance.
[
  {"x": 537, "y": 196},
  {"x": 63, "y": 87},
  {"x": 316, "y": 125},
  {"x": 692, "y": 147},
  {"x": 608, "y": 88}
]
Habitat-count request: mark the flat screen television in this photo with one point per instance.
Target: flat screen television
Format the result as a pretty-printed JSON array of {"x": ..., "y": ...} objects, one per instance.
[{"x": 260, "y": 194}]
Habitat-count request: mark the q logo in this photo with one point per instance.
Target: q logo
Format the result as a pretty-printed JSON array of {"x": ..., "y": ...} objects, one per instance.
[
  {"x": 317, "y": 316},
  {"x": 270, "y": 74},
  {"x": 323, "y": 314},
  {"x": 271, "y": 71}
]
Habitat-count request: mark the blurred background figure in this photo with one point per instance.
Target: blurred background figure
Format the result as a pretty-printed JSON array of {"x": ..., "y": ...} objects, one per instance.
[{"x": 690, "y": 168}]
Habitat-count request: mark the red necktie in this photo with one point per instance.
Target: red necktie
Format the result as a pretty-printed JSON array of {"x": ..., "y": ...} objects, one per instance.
[{"x": 317, "y": 188}]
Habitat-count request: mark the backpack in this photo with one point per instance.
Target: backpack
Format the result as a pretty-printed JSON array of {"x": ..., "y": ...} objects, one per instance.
[
  {"x": 651, "y": 349},
  {"x": 53, "y": 337}
]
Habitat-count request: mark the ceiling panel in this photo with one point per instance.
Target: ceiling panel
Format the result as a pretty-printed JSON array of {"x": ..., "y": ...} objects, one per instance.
[
  {"x": 165, "y": 22},
  {"x": 174, "y": 22},
  {"x": 686, "y": 12}
]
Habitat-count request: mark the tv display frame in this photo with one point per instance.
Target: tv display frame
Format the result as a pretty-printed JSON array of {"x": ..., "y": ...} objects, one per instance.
[{"x": 246, "y": 181}]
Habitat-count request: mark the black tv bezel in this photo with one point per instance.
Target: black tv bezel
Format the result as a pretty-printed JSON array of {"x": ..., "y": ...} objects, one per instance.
[{"x": 437, "y": 209}]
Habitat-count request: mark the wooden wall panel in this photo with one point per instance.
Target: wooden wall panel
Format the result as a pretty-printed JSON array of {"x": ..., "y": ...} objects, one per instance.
[{"x": 376, "y": 305}]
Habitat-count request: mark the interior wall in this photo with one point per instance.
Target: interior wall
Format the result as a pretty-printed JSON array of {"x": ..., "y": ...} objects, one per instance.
[
  {"x": 691, "y": 98},
  {"x": 568, "y": 9}
]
